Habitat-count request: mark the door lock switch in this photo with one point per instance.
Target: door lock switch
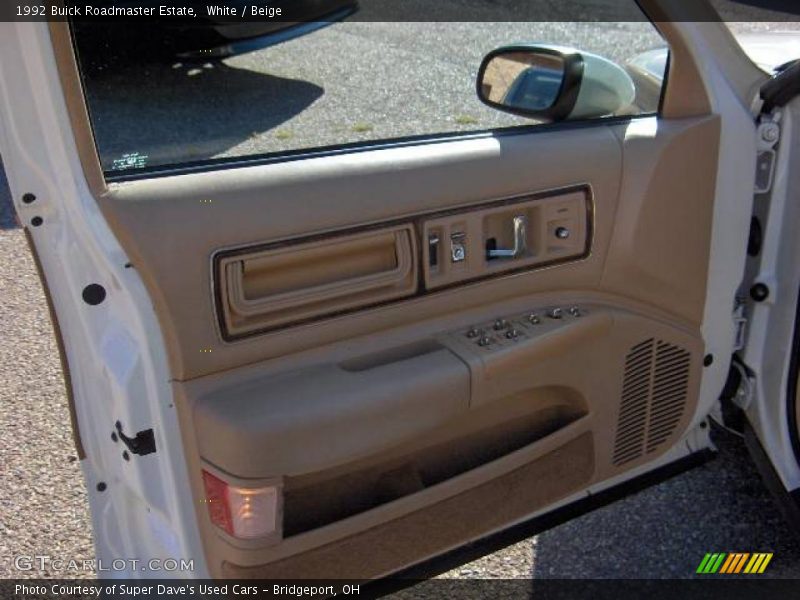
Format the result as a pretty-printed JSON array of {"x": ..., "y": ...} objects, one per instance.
[{"x": 458, "y": 247}]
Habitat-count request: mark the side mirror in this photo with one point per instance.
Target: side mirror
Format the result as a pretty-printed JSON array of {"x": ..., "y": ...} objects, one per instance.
[{"x": 553, "y": 83}]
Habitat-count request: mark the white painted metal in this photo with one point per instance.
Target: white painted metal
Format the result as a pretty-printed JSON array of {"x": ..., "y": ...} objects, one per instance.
[
  {"x": 115, "y": 350},
  {"x": 771, "y": 323}
]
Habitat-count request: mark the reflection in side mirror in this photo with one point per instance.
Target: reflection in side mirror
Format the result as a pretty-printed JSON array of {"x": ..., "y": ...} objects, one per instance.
[
  {"x": 523, "y": 80},
  {"x": 553, "y": 83}
]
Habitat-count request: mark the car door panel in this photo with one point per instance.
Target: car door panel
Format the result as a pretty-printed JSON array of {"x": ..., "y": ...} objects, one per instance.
[
  {"x": 635, "y": 394},
  {"x": 319, "y": 196},
  {"x": 660, "y": 239},
  {"x": 283, "y": 405},
  {"x": 311, "y": 346}
]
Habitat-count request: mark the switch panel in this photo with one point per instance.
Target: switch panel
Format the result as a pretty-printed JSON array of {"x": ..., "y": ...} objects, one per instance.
[
  {"x": 506, "y": 354},
  {"x": 505, "y": 332},
  {"x": 528, "y": 232}
]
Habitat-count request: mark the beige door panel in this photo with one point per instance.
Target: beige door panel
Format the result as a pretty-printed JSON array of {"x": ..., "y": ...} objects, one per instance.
[
  {"x": 314, "y": 344},
  {"x": 172, "y": 232},
  {"x": 383, "y": 418},
  {"x": 323, "y": 416},
  {"x": 660, "y": 246},
  {"x": 628, "y": 379}
]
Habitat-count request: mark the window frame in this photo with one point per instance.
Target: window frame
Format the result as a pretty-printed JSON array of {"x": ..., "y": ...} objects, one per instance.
[{"x": 71, "y": 77}]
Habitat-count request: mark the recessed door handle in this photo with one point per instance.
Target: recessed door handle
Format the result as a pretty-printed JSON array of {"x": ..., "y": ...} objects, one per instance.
[{"x": 520, "y": 241}]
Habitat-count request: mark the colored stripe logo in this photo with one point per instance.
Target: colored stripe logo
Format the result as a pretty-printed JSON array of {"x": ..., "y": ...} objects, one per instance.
[{"x": 734, "y": 563}]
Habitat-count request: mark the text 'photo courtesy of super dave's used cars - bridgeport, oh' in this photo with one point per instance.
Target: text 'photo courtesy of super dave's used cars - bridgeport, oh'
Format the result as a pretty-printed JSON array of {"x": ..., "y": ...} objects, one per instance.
[{"x": 352, "y": 298}]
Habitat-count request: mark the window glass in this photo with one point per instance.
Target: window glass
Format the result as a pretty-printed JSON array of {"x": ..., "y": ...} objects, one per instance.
[
  {"x": 768, "y": 32},
  {"x": 166, "y": 97}
]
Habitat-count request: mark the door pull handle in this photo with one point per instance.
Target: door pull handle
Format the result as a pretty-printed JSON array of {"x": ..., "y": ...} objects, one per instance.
[{"x": 520, "y": 241}]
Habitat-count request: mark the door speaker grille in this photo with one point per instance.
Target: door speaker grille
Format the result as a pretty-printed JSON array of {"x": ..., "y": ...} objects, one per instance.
[{"x": 654, "y": 391}]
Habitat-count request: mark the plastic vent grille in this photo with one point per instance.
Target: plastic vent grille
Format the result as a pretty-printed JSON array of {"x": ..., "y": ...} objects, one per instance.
[{"x": 654, "y": 390}]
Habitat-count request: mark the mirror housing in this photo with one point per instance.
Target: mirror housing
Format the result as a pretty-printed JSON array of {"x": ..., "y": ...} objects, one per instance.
[{"x": 552, "y": 82}]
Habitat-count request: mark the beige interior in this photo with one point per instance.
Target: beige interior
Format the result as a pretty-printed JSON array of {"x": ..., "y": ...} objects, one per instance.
[
  {"x": 477, "y": 229},
  {"x": 263, "y": 289},
  {"x": 375, "y": 420},
  {"x": 407, "y": 405}
]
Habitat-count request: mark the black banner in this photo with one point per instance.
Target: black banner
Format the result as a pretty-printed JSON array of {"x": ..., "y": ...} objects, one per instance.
[
  {"x": 733, "y": 588},
  {"x": 198, "y": 12}
]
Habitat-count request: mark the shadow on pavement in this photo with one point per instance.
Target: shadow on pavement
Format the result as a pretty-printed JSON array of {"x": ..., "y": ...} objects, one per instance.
[
  {"x": 664, "y": 531},
  {"x": 7, "y": 213},
  {"x": 187, "y": 112}
]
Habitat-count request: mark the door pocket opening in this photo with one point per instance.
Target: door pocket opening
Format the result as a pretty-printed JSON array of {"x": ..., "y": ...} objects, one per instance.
[{"x": 319, "y": 499}]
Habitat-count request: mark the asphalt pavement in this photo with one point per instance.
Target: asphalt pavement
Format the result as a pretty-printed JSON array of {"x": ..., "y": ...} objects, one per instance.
[{"x": 43, "y": 505}]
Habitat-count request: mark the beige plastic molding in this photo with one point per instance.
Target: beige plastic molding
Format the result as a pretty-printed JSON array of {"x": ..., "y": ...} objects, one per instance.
[
  {"x": 284, "y": 284},
  {"x": 552, "y": 230}
]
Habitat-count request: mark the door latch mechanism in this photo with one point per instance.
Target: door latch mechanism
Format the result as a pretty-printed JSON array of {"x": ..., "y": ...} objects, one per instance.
[{"x": 142, "y": 444}]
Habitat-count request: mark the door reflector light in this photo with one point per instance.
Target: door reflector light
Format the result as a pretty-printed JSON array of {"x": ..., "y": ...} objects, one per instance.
[{"x": 244, "y": 513}]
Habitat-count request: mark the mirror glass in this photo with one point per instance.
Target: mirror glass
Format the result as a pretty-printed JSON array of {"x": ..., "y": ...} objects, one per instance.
[{"x": 523, "y": 80}]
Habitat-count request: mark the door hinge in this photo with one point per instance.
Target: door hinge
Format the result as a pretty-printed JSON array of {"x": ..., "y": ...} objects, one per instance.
[
  {"x": 768, "y": 135},
  {"x": 143, "y": 443}
]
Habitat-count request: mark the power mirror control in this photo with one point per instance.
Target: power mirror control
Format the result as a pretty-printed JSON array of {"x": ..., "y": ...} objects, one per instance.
[{"x": 504, "y": 331}]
